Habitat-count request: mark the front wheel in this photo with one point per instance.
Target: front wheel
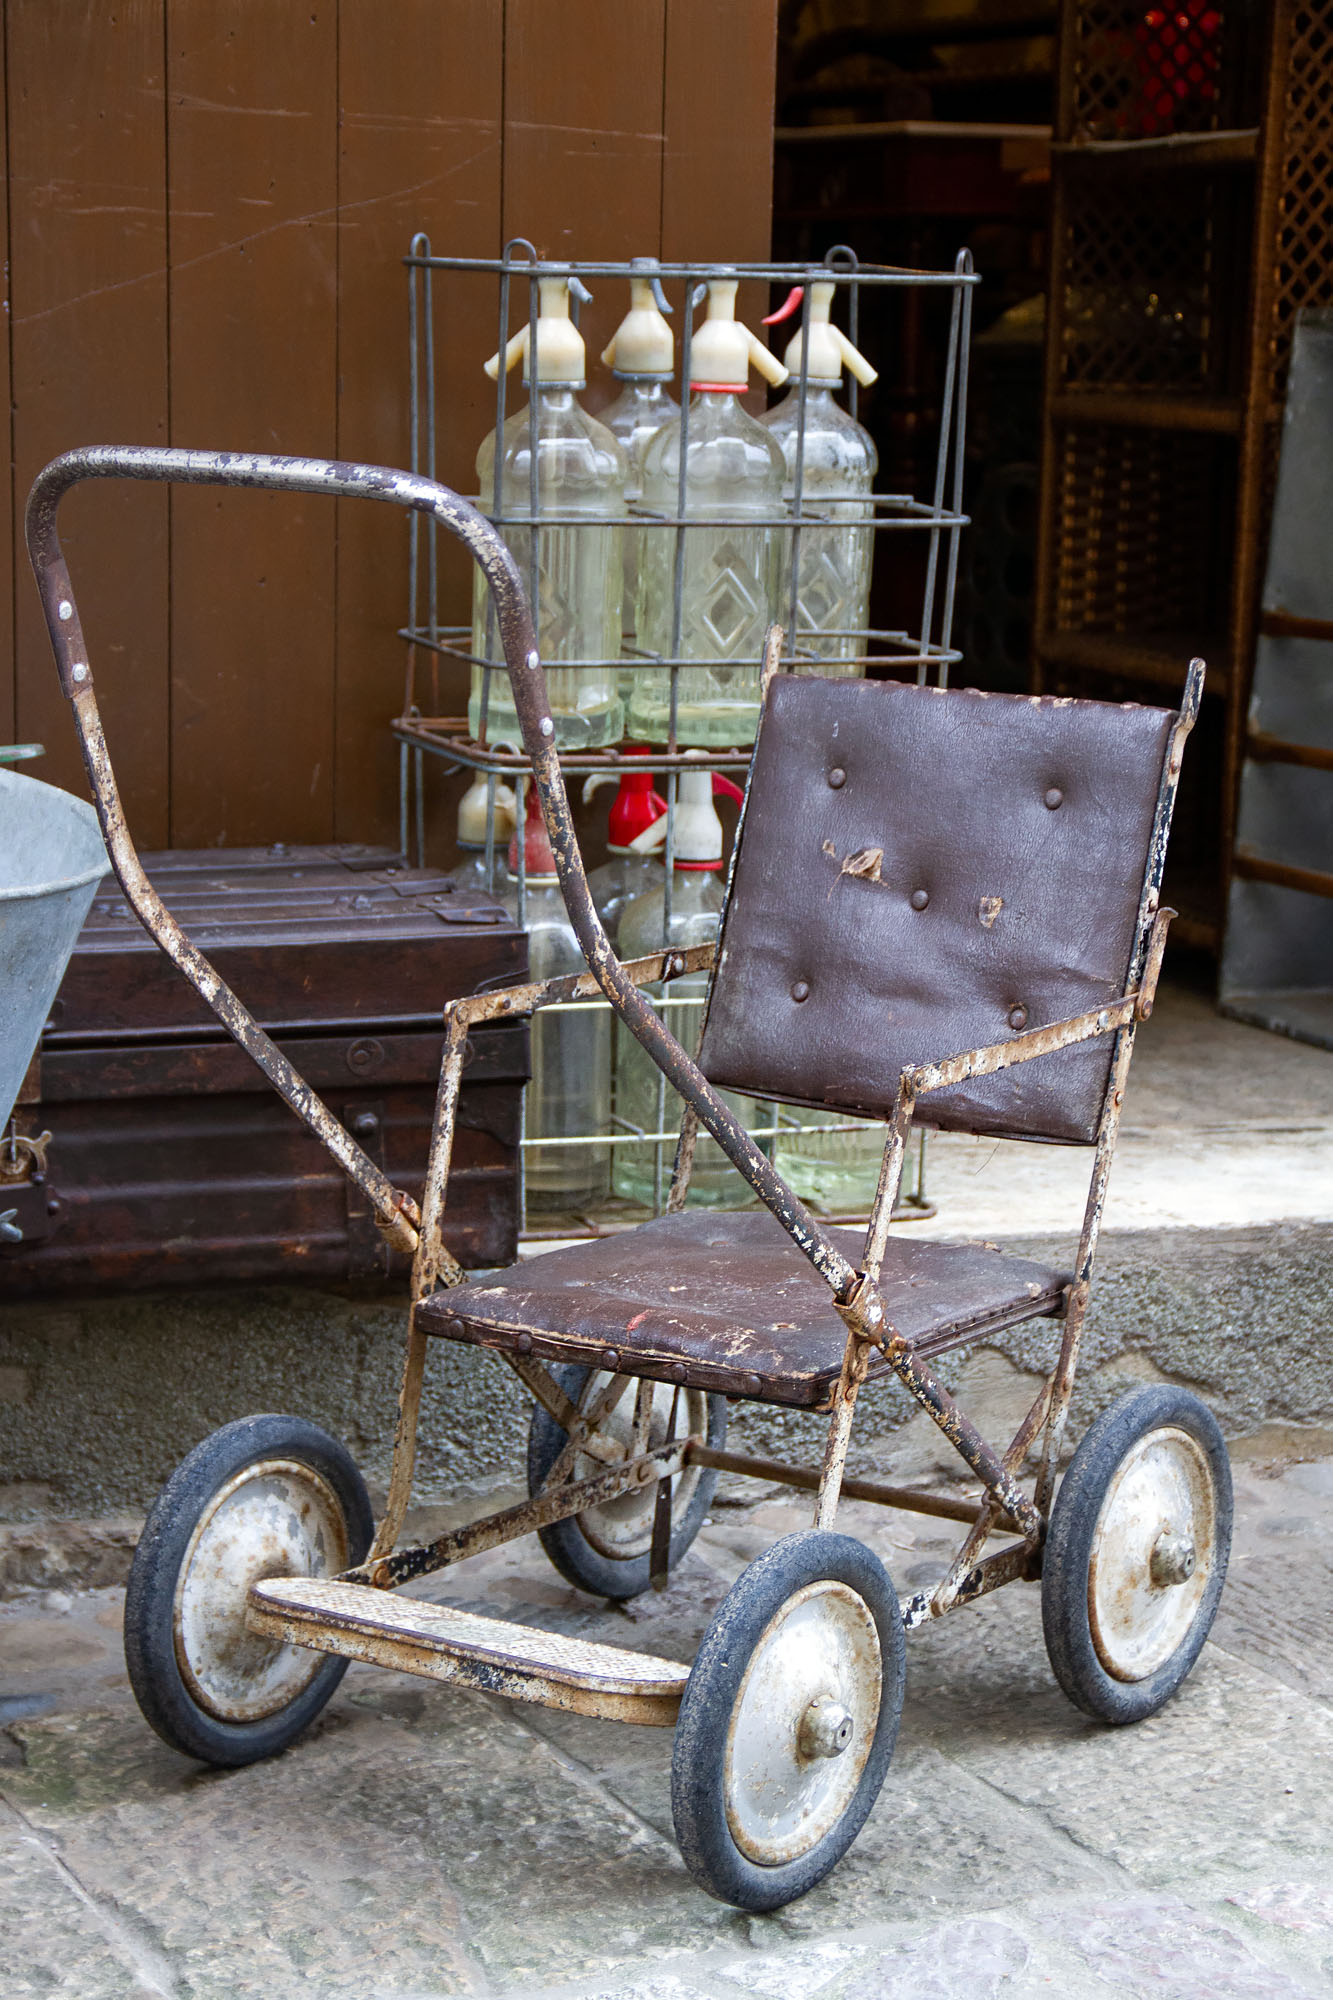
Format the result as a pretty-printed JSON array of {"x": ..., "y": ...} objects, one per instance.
[
  {"x": 266, "y": 1496},
  {"x": 788, "y": 1720},
  {"x": 1137, "y": 1553}
]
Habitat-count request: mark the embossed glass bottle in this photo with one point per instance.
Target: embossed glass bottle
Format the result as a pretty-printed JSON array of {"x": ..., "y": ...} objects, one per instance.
[
  {"x": 580, "y": 480},
  {"x": 838, "y": 462},
  {"x": 569, "y": 1093},
  {"x": 733, "y": 560},
  {"x": 641, "y": 355}
]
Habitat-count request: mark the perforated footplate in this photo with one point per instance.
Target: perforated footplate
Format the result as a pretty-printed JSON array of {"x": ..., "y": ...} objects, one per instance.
[{"x": 487, "y": 1653}]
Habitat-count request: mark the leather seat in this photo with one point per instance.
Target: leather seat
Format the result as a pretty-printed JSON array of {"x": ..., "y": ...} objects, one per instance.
[{"x": 727, "y": 1302}]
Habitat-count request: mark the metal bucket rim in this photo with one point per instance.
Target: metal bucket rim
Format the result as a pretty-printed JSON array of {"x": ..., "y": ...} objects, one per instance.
[{"x": 34, "y": 891}]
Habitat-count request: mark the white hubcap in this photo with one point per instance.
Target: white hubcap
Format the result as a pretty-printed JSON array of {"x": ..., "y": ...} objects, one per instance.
[
  {"x": 1153, "y": 1551},
  {"x": 276, "y": 1518},
  {"x": 803, "y": 1724}
]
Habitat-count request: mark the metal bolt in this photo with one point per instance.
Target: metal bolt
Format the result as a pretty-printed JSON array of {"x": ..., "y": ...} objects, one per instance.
[
  {"x": 800, "y": 991},
  {"x": 1054, "y": 799},
  {"x": 825, "y": 1729},
  {"x": 66, "y": 609},
  {"x": 837, "y": 778},
  {"x": 920, "y": 898},
  {"x": 365, "y": 1123},
  {"x": 79, "y": 671},
  {"x": 1173, "y": 1559}
]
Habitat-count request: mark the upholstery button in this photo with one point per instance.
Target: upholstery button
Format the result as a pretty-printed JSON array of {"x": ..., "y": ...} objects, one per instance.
[
  {"x": 1053, "y": 799},
  {"x": 919, "y": 899},
  {"x": 1018, "y": 1017},
  {"x": 837, "y": 777},
  {"x": 800, "y": 991}
]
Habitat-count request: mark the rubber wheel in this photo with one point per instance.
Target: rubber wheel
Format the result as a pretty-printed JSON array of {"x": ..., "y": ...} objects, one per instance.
[
  {"x": 266, "y": 1496},
  {"x": 1137, "y": 1553},
  {"x": 607, "y": 1550},
  {"x": 788, "y": 1721}
]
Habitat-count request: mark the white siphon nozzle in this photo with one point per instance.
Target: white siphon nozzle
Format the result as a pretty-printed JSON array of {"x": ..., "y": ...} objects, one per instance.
[
  {"x": 560, "y": 351},
  {"x": 698, "y": 828},
  {"x": 830, "y": 349},
  {"x": 643, "y": 346},
  {"x": 472, "y": 812},
  {"x": 723, "y": 350}
]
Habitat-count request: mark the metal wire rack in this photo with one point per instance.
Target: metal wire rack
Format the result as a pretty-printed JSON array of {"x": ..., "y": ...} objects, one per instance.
[{"x": 927, "y": 653}]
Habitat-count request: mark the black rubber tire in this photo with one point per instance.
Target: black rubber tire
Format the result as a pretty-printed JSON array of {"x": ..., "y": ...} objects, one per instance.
[
  {"x": 570, "y": 1551},
  {"x": 1068, "y": 1553},
  {"x": 150, "y": 1654},
  {"x": 698, "y": 1804}
]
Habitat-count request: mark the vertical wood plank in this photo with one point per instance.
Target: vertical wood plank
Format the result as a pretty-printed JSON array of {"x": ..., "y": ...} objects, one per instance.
[
  {"x": 717, "y": 171},
  {"x": 7, "y": 689},
  {"x": 717, "y": 192},
  {"x": 252, "y": 109},
  {"x": 88, "y": 342},
  {"x": 420, "y": 149},
  {"x": 583, "y": 143}
]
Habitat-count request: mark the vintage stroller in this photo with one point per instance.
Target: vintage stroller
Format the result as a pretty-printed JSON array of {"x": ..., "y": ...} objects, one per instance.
[{"x": 941, "y": 904}]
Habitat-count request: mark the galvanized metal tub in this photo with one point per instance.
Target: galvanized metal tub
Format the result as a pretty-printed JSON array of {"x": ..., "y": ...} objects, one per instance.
[{"x": 51, "y": 861}]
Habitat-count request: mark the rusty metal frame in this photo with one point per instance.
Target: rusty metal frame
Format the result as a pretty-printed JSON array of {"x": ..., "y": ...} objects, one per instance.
[{"x": 855, "y": 1293}]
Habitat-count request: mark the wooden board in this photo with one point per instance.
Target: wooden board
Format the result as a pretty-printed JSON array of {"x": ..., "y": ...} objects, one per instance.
[
  {"x": 207, "y": 209},
  {"x": 583, "y": 146},
  {"x": 419, "y": 149},
  {"x": 88, "y": 254},
  {"x": 251, "y": 122}
]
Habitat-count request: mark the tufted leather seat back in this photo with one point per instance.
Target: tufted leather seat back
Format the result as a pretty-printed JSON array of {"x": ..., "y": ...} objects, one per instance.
[{"x": 925, "y": 872}]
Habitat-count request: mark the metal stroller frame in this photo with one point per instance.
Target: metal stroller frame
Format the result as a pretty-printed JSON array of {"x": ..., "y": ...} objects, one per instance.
[{"x": 353, "y": 1614}]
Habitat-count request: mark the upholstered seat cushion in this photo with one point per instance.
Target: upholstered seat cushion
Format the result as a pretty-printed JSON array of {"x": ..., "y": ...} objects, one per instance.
[{"x": 727, "y": 1302}]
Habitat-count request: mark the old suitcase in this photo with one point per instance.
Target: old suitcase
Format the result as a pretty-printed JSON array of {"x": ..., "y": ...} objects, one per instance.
[{"x": 170, "y": 1160}]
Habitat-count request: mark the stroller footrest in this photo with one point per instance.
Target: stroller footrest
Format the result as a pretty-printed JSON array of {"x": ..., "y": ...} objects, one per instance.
[{"x": 445, "y": 1644}]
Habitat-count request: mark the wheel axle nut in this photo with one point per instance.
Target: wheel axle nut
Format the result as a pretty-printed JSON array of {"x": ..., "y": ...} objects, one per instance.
[
  {"x": 1172, "y": 1560},
  {"x": 825, "y": 1729}
]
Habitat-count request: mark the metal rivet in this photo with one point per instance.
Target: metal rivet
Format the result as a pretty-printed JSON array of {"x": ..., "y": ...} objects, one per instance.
[
  {"x": 919, "y": 899},
  {"x": 66, "y": 609},
  {"x": 1054, "y": 799},
  {"x": 533, "y": 660},
  {"x": 676, "y": 1372},
  {"x": 610, "y": 1359},
  {"x": 837, "y": 777},
  {"x": 800, "y": 991},
  {"x": 751, "y": 1385},
  {"x": 548, "y": 727},
  {"x": 523, "y": 1343},
  {"x": 79, "y": 671},
  {"x": 1018, "y": 1017}
]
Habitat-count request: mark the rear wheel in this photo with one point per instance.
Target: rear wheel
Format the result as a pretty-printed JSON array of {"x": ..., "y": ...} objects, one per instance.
[
  {"x": 266, "y": 1496},
  {"x": 1137, "y": 1553},
  {"x": 606, "y": 1550},
  {"x": 788, "y": 1721}
]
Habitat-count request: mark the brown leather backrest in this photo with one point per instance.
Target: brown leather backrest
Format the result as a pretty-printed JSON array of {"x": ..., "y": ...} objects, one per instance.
[{"x": 922, "y": 873}]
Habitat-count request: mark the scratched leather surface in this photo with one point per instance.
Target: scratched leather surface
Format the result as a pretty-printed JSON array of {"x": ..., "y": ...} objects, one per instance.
[
  {"x": 1020, "y": 904},
  {"x": 727, "y": 1302}
]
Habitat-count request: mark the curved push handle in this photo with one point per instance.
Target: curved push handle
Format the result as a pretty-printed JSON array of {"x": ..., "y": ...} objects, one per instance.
[{"x": 343, "y": 479}]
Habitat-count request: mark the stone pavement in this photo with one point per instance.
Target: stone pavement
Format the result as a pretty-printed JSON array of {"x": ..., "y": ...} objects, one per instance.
[{"x": 421, "y": 1842}]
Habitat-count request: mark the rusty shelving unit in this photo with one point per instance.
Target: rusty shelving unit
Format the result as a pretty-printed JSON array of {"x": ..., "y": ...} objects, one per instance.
[{"x": 1192, "y": 217}]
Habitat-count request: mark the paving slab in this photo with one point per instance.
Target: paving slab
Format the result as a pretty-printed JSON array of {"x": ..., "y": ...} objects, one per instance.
[{"x": 423, "y": 1842}]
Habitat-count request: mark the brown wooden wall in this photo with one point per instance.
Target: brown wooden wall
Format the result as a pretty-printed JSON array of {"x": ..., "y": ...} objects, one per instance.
[{"x": 205, "y": 206}]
